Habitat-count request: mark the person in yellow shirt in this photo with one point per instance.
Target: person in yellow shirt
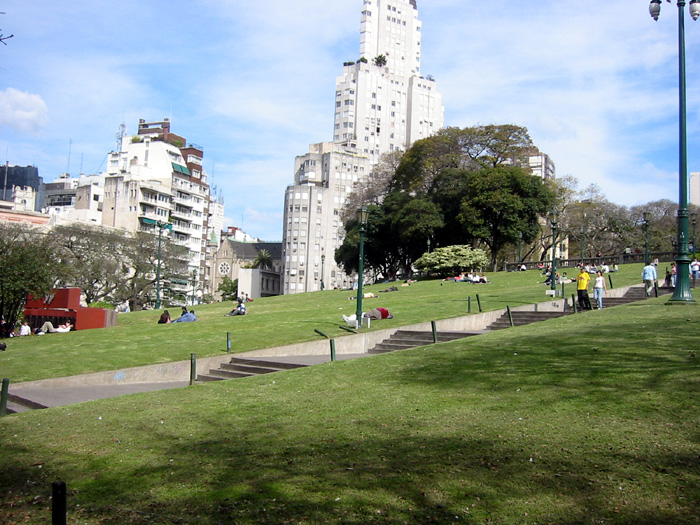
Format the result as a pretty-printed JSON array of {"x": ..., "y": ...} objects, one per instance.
[{"x": 582, "y": 281}]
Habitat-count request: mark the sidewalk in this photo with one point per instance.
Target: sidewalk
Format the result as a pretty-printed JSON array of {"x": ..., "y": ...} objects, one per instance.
[{"x": 68, "y": 395}]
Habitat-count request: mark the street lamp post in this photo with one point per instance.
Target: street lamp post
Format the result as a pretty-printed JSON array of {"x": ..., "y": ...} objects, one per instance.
[
  {"x": 362, "y": 216},
  {"x": 582, "y": 242},
  {"x": 520, "y": 247},
  {"x": 553, "y": 216},
  {"x": 645, "y": 224},
  {"x": 161, "y": 226},
  {"x": 194, "y": 284},
  {"x": 681, "y": 293},
  {"x": 323, "y": 269}
]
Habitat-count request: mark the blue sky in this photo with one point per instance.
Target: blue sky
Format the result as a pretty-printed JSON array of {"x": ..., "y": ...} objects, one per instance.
[{"x": 253, "y": 83}]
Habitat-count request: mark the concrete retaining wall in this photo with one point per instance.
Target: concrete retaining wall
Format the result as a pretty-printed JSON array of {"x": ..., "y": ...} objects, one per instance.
[{"x": 350, "y": 344}]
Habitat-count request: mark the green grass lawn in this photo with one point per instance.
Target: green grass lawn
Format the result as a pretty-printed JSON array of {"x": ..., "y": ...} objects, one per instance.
[
  {"x": 585, "y": 419},
  {"x": 273, "y": 321}
]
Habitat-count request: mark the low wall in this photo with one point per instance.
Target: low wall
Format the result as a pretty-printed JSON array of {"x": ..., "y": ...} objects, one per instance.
[{"x": 350, "y": 344}]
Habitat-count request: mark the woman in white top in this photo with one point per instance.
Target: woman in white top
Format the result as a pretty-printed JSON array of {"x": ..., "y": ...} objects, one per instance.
[{"x": 599, "y": 289}]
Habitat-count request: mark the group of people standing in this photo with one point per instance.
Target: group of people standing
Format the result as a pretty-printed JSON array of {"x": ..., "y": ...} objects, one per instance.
[{"x": 583, "y": 281}]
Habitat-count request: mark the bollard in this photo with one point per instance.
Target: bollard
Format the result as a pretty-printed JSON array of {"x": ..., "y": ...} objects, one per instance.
[
  {"x": 510, "y": 316},
  {"x": 58, "y": 503},
  {"x": 320, "y": 333},
  {"x": 332, "y": 349},
  {"x": 610, "y": 281},
  {"x": 3, "y": 397},
  {"x": 434, "y": 328},
  {"x": 469, "y": 304},
  {"x": 228, "y": 342},
  {"x": 478, "y": 301},
  {"x": 562, "y": 290},
  {"x": 573, "y": 302},
  {"x": 193, "y": 369}
]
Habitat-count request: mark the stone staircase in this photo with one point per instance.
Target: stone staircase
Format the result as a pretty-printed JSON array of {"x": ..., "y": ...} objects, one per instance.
[
  {"x": 238, "y": 367},
  {"x": 403, "y": 339},
  {"x": 522, "y": 318}
]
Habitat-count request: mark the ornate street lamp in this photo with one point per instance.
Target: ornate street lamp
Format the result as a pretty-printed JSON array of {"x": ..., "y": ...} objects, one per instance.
[
  {"x": 681, "y": 293},
  {"x": 323, "y": 269},
  {"x": 362, "y": 216},
  {"x": 645, "y": 225},
  {"x": 553, "y": 216},
  {"x": 520, "y": 247},
  {"x": 582, "y": 242},
  {"x": 161, "y": 226}
]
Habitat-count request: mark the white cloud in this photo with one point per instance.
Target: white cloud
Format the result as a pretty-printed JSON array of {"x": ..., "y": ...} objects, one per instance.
[{"x": 23, "y": 112}]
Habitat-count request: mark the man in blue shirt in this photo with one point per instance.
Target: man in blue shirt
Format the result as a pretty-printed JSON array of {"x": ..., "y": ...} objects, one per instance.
[
  {"x": 186, "y": 318},
  {"x": 649, "y": 277}
]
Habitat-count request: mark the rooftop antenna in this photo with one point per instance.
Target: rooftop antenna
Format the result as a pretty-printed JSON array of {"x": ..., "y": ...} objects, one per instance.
[
  {"x": 70, "y": 145},
  {"x": 121, "y": 133}
]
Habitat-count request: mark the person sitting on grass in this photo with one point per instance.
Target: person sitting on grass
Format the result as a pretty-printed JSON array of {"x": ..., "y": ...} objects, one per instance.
[
  {"x": 186, "y": 318},
  {"x": 238, "y": 310},
  {"x": 164, "y": 318},
  {"x": 48, "y": 328}
]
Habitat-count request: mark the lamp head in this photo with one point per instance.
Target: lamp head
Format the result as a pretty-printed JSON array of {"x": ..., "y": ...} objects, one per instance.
[
  {"x": 553, "y": 216},
  {"x": 362, "y": 215},
  {"x": 646, "y": 215},
  {"x": 695, "y": 9},
  {"x": 655, "y": 9}
]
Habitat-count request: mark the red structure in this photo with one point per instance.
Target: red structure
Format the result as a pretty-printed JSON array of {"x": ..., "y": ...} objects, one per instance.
[{"x": 63, "y": 305}]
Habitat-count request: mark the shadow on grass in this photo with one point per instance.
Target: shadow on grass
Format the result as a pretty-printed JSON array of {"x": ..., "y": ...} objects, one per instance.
[{"x": 405, "y": 478}]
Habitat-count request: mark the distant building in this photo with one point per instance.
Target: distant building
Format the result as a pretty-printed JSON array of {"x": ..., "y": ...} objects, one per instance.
[
  {"x": 24, "y": 177},
  {"x": 383, "y": 103},
  {"x": 154, "y": 176},
  {"x": 695, "y": 188},
  {"x": 542, "y": 166},
  {"x": 233, "y": 256}
]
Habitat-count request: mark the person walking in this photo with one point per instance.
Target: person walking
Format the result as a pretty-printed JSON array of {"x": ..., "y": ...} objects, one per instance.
[
  {"x": 584, "y": 302},
  {"x": 649, "y": 277},
  {"x": 599, "y": 289}
]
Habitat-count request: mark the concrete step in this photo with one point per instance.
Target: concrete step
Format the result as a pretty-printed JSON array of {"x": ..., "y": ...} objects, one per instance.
[
  {"x": 16, "y": 404},
  {"x": 238, "y": 367},
  {"x": 405, "y": 339}
]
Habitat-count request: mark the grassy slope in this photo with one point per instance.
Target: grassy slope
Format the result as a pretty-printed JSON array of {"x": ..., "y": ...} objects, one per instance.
[
  {"x": 274, "y": 321},
  {"x": 586, "y": 419}
]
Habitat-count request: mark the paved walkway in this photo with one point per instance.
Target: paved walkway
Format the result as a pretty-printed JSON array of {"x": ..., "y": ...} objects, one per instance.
[{"x": 60, "y": 396}]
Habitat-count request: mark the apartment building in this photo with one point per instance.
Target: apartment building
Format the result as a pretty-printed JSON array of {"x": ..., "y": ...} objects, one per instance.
[{"x": 383, "y": 102}]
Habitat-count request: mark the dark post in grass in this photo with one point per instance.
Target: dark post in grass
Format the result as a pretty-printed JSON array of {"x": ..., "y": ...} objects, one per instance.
[
  {"x": 681, "y": 293},
  {"x": 362, "y": 215},
  {"x": 469, "y": 304},
  {"x": 510, "y": 316},
  {"x": 332, "y": 349},
  {"x": 3, "y": 396},
  {"x": 193, "y": 369},
  {"x": 434, "y": 329},
  {"x": 58, "y": 503},
  {"x": 228, "y": 342}
]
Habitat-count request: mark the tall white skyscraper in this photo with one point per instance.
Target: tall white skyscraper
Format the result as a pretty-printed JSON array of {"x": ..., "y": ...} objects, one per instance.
[{"x": 382, "y": 103}]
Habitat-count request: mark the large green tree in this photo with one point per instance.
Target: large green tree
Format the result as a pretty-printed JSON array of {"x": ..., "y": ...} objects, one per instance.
[
  {"x": 29, "y": 266},
  {"x": 502, "y": 203}
]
